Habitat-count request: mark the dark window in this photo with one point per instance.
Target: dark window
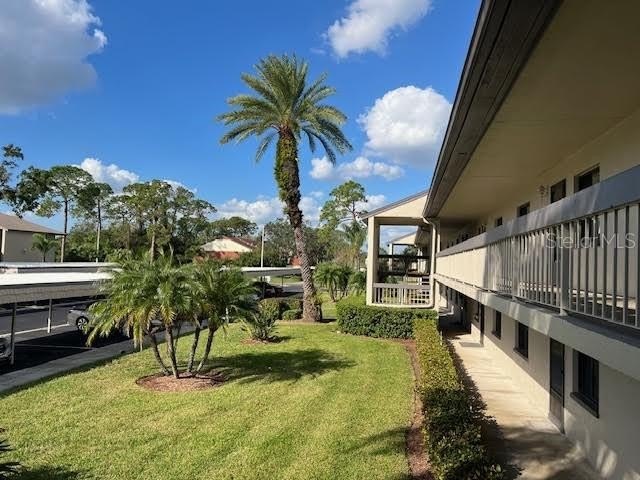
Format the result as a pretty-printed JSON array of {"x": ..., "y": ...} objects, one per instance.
[
  {"x": 498, "y": 221},
  {"x": 558, "y": 191},
  {"x": 497, "y": 325},
  {"x": 587, "y": 179},
  {"x": 523, "y": 209},
  {"x": 586, "y": 381},
  {"x": 522, "y": 340}
]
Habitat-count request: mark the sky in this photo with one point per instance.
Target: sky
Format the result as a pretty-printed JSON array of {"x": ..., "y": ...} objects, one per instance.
[{"x": 130, "y": 91}]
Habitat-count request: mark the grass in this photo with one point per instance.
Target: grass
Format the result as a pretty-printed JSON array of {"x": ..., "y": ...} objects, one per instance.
[
  {"x": 328, "y": 306},
  {"x": 317, "y": 405}
]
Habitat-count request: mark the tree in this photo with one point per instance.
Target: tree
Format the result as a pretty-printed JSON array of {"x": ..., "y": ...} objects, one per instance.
[
  {"x": 232, "y": 227},
  {"x": 355, "y": 234},
  {"x": 344, "y": 204},
  {"x": 66, "y": 182},
  {"x": 285, "y": 106},
  {"x": 335, "y": 278},
  {"x": 44, "y": 244},
  {"x": 11, "y": 154},
  {"x": 91, "y": 202}
]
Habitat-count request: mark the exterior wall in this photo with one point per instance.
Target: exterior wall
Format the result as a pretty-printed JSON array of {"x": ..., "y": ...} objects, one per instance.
[
  {"x": 223, "y": 255},
  {"x": 610, "y": 441},
  {"x": 224, "y": 245},
  {"x": 18, "y": 248}
]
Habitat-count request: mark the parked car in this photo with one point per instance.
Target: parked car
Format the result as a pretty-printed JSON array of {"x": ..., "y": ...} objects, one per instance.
[
  {"x": 80, "y": 317},
  {"x": 266, "y": 290},
  {"x": 5, "y": 350}
]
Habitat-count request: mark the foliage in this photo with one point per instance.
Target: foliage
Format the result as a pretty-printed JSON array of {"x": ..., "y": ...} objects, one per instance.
[
  {"x": 260, "y": 327},
  {"x": 285, "y": 106},
  {"x": 344, "y": 203},
  {"x": 358, "y": 282},
  {"x": 231, "y": 227},
  {"x": 359, "y": 319},
  {"x": 452, "y": 429},
  {"x": 290, "y": 304},
  {"x": 270, "y": 309},
  {"x": 291, "y": 315},
  {"x": 43, "y": 244},
  {"x": 335, "y": 278},
  {"x": 11, "y": 154},
  {"x": 355, "y": 234}
]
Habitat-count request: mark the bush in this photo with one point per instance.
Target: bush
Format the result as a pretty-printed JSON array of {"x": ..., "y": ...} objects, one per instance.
[
  {"x": 292, "y": 315},
  {"x": 270, "y": 309},
  {"x": 290, "y": 304},
  {"x": 260, "y": 327},
  {"x": 452, "y": 427},
  {"x": 359, "y": 319}
]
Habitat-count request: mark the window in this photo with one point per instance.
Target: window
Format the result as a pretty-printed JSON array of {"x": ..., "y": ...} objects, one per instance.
[
  {"x": 497, "y": 325},
  {"x": 522, "y": 340},
  {"x": 586, "y": 373},
  {"x": 523, "y": 209},
  {"x": 558, "y": 191},
  {"x": 587, "y": 179},
  {"x": 499, "y": 222}
]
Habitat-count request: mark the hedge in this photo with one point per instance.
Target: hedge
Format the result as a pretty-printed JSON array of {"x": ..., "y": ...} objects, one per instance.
[
  {"x": 356, "y": 318},
  {"x": 292, "y": 315},
  {"x": 275, "y": 308},
  {"x": 452, "y": 426}
]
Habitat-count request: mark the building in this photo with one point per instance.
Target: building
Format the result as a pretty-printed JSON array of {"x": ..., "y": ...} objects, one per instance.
[
  {"x": 16, "y": 243},
  {"x": 533, "y": 215},
  {"x": 228, "y": 248}
]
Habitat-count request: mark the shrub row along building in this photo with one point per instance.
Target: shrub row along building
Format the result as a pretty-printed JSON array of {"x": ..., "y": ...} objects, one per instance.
[{"x": 529, "y": 233}]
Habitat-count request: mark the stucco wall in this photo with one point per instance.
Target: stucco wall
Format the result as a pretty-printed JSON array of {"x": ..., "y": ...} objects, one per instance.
[{"x": 18, "y": 248}]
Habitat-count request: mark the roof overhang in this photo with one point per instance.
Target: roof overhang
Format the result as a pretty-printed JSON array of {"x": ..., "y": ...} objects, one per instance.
[
  {"x": 504, "y": 36},
  {"x": 406, "y": 211}
]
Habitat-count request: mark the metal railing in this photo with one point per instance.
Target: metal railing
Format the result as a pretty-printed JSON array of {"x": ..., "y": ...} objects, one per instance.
[
  {"x": 402, "y": 294},
  {"x": 588, "y": 265}
]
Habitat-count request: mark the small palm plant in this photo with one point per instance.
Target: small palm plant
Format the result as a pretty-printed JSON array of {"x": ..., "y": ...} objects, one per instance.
[
  {"x": 335, "y": 278},
  {"x": 224, "y": 295},
  {"x": 7, "y": 469},
  {"x": 144, "y": 297},
  {"x": 43, "y": 244},
  {"x": 286, "y": 107}
]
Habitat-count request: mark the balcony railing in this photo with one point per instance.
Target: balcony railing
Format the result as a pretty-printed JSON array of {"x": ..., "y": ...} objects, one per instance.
[
  {"x": 588, "y": 264},
  {"x": 402, "y": 294}
]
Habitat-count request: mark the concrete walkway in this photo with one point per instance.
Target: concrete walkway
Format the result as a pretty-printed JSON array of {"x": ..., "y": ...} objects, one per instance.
[
  {"x": 521, "y": 437},
  {"x": 25, "y": 376}
]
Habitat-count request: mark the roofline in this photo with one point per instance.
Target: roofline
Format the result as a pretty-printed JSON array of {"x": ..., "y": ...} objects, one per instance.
[
  {"x": 504, "y": 36},
  {"x": 400, "y": 237},
  {"x": 394, "y": 204}
]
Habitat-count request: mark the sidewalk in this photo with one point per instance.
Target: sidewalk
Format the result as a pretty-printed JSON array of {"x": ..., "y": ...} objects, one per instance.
[
  {"x": 524, "y": 440},
  {"x": 12, "y": 380}
]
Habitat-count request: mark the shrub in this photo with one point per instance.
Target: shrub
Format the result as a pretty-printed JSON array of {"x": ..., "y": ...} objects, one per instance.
[
  {"x": 359, "y": 319},
  {"x": 260, "y": 327},
  {"x": 333, "y": 277},
  {"x": 452, "y": 427},
  {"x": 358, "y": 282},
  {"x": 292, "y": 315},
  {"x": 270, "y": 309},
  {"x": 290, "y": 304}
]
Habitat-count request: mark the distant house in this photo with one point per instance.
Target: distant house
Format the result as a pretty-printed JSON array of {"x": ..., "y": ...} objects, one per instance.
[
  {"x": 16, "y": 240},
  {"x": 228, "y": 248}
]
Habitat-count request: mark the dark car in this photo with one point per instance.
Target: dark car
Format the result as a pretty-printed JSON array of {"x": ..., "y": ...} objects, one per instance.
[{"x": 266, "y": 290}]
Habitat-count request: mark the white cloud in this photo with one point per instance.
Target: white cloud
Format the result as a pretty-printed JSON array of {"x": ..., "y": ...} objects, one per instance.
[
  {"x": 407, "y": 125},
  {"x": 369, "y": 24},
  {"x": 175, "y": 184},
  {"x": 265, "y": 209},
  {"x": 373, "y": 202},
  {"x": 112, "y": 174},
  {"x": 361, "y": 167},
  {"x": 44, "y": 45}
]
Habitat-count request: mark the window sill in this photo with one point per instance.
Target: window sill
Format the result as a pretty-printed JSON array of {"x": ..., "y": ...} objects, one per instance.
[
  {"x": 522, "y": 354},
  {"x": 496, "y": 334},
  {"x": 584, "y": 403}
]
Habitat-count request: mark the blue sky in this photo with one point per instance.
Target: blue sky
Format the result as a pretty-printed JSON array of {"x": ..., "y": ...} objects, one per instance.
[{"x": 135, "y": 86}]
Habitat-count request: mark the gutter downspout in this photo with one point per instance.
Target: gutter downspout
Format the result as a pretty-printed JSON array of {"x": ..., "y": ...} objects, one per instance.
[{"x": 432, "y": 260}]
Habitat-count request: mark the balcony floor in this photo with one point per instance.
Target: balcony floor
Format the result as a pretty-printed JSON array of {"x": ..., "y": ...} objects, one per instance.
[{"x": 522, "y": 437}]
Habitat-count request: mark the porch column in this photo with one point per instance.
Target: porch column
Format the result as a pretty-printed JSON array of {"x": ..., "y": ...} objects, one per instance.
[
  {"x": 373, "y": 248},
  {"x": 435, "y": 248}
]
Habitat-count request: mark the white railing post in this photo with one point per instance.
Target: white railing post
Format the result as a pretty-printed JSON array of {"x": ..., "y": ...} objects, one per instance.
[{"x": 565, "y": 278}]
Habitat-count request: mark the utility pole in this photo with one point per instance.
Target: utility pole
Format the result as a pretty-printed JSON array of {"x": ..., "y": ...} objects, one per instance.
[{"x": 262, "y": 249}]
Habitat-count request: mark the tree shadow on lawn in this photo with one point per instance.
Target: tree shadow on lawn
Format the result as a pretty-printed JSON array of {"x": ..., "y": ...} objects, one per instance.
[
  {"x": 47, "y": 473},
  {"x": 278, "y": 366}
]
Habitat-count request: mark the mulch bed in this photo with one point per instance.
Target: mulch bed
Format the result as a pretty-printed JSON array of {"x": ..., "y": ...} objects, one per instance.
[
  {"x": 186, "y": 383},
  {"x": 416, "y": 454}
]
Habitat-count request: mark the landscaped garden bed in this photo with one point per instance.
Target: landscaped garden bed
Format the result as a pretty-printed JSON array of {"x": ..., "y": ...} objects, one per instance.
[{"x": 313, "y": 405}]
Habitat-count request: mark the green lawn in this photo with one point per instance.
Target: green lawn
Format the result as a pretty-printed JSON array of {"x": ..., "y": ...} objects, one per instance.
[
  {"x": 317, "y": 405},
  {"x": 328, "y": 306}
]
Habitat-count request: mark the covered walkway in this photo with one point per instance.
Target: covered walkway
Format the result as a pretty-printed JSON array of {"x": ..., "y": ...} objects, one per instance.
[{"x": 522, "y": 437}]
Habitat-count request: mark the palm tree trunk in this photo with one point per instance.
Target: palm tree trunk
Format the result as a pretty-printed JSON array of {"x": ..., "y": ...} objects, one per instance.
[
  {"x": 288, "y": 179},
  {"x": 171, "y": 351},
  {"x": 207, "y": 349},
  {"x": 156, "y": 354},
  {"x": 194, "y": 347}
]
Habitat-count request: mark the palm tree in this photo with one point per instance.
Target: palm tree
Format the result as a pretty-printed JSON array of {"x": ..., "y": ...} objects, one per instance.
[
  {"x": 335, "y": 278},
  {"x": 356, "y": 234},
  {"x": 284, "y": 105},
  {"x": 224, "y": 294},
  {"x": 44, "y": 244},
  {"x": 141, "y": 297}
]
